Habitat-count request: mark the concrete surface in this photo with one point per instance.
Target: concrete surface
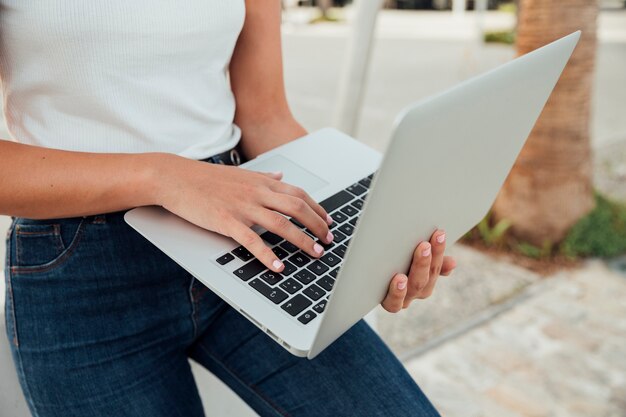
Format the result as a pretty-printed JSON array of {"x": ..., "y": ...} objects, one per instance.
[{"x": 560, "y": 353}]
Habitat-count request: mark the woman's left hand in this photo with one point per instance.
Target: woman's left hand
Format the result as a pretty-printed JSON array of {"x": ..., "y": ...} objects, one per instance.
[{"x": 428, "y": 263}]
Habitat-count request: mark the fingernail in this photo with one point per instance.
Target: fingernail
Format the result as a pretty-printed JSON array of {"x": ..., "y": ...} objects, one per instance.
[
  {"x": 426, "y": 252},
  {"x": 329, "y": 219},
  {"x": 318, "y": 248},
  {"x": 329, "y": 237},
  {"x": 402, "y": 284},
  {"x": 277, "y": 264},
  {"x": 277, "y": 173},
  {"x": 441, "y": 238}
]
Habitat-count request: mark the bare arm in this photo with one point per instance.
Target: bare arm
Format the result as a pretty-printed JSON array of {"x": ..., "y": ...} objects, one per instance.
[
  {"x": 44, "y": 183},
  {"x": 256, "y": 74}
]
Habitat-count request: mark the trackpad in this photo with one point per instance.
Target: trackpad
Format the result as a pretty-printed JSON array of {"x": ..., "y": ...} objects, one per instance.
[{"x": 293, "y": 173}]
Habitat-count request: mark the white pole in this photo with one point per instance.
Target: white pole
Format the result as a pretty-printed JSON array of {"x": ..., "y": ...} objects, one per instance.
[
  {"x": 458, "y": 7},
  {"x": 354, "y": 74},
  {"x": 480, "y": 7}
]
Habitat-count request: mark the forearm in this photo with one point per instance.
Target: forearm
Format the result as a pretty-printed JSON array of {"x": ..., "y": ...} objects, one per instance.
[
  {"x": 41, "y": 183},
  {"x": 261, "y": 135},
  {"x": 256, "y": 76}
]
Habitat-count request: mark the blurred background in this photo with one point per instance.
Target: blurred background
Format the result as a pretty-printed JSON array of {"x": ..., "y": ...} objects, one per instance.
[{"x": 533, "y": 322}]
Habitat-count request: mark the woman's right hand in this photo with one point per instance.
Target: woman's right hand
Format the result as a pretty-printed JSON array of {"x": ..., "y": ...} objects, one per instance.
[{"x": 230, "y": 200}]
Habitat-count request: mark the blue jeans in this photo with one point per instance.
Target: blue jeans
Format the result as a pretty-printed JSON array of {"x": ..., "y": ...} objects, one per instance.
[{"x": 102, "y": 323}]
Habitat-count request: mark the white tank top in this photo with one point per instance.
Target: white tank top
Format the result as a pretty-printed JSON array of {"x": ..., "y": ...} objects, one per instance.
[{"x": 119, "y": 75}]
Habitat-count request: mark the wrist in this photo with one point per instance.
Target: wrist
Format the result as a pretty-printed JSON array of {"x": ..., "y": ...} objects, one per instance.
[{"x": 156, "y": 172}]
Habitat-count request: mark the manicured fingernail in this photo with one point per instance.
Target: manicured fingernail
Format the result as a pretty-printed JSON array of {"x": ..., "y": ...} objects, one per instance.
[
  {"x": 441, "y": 238},
  {"x": 277, "y": 264},
  {"x": 329, "y": 237},
  {"x": 426, "y": 252},
  {"x": 402, "y": 284},
  {"x": 318, "y": 248},
  {"x": 329, "y": 219}
]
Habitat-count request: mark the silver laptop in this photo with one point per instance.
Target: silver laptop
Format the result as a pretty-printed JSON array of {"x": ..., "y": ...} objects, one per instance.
[{"x": 446, "y": 161}]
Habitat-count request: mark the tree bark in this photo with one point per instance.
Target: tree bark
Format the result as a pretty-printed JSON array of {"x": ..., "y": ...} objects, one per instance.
[{"x": 550, "y": 187}]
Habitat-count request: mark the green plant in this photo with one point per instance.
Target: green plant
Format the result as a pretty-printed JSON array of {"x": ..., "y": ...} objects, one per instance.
[
  {"x": 505, "y": 37},
  {"x": 535, "y": 252},
  {"x": 493, "y": 235},
  {"x": 600, "y": 233},
  {"x": 508, "y": 7}
]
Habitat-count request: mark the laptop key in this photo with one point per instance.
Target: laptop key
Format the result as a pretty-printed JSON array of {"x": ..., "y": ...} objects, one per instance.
[
  {"x": 326, "y": 282},
  {"x": 339, "y": 237},
  {"x": 299, "y": 259},
  {"x": 339, "y": 217},
  {"x": 289, "y": 268},
  {"x": 307, "y": 317},
  {"x": 224, "y": 259},
  {"x": 314, "y": 292},
  {"x": 291, "y": 286},
  {"x": 366, "y": 182},
  {"x": 340, "y": 251},
  {"x": 319, "y": 307},
  {"x": 356, "y": 189},
  {"x": 353, "y": 221},
  {"x": 334, "y": 272},
  {"x": 335, "y": 201},
  {"x": 349, "y": 210},
  {"x": 288, "y": 246},
  {"x": 271, "y": 277},
  {"x": 347, "y": 228},
  {"x": 317, "y": 267},
  {"x": 295, "y": 305},
  {"x": 242, "y": 253},
  {"x": 326, "y": 246},
  {"x": 330, "y": 259},
  {"x": 249, "y": 270},
  {"x": 280, "y": 252},
  {"x": 358, "y": 204},
  {"x": 304, "y": 276},
  {"x": 271, "y": 238},
  {"x": 276, "y": 295}
]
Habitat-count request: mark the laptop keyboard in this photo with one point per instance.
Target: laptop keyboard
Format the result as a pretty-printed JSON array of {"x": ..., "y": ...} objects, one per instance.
[{"x": 303, "y": 287}]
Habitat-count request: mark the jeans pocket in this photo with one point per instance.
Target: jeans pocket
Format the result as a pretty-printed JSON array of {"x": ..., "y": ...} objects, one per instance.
[{"x": 41, "y": 246}]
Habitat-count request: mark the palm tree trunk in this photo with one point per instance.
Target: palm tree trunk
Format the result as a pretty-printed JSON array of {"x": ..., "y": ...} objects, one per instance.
[{"x": 550, "y": 187}]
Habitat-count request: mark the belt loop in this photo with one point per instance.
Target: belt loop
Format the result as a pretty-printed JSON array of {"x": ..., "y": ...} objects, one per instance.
[{"x": 235, "y": 159}]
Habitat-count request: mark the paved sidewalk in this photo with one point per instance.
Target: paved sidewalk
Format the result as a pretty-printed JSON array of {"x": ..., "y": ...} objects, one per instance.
[{"x": 562, "y": 352}]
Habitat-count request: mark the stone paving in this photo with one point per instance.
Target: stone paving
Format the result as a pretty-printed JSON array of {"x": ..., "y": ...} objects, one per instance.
[{"x": 560, "y": 353}]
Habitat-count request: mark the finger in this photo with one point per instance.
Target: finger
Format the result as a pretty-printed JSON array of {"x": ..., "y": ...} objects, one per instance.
[
  {"x": 278, "y": 175},
  {"x": 427, "y": 291},
  {"x": 448, "y": 265},
  {"x": 251, "y": 241},
  {"x": 280, "y": 225},
  {"x": 303, "y": 212},
  {"x": 438, "y": 242},
  {"x": 300, "y": 193},
  {"x": 394, "y": 300},
  {"x": 419, "y": 272}
]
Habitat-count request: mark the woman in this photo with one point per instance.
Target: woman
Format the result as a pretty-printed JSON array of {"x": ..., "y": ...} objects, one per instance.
[{"x": 121, "y": 104}]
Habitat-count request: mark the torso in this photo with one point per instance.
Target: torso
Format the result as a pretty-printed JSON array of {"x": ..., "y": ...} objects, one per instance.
[{"x": 120, "y": 76}]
